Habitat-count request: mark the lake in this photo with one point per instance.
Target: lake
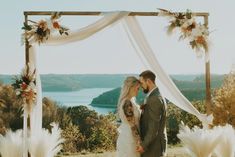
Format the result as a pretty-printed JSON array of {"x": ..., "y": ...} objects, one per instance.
[{"x": 81, "y": 97}]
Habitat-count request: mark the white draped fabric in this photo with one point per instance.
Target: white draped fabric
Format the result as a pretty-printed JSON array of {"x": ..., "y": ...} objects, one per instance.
[
  {"x": 83, "y": 33},
  {"x": 143, "y": 49},
  {"x": 166, "y": 86},
  {"x": 107, "y": 20},
  {"x": 36, "y": 116}
]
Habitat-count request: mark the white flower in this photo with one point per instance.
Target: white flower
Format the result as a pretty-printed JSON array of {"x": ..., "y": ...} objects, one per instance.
[
  {"x": 196, "y": 32},
  {"x": 188, "y": 23},
  {"x": 27, "y": 89},
  {"x": 49, "y": 24},
  {"x": 32, "y": 85},
  {"x": 203, "y": 29},
  {"x": 182, "y": 21},
  {"x": 18, "y": 92},
  {"x": 199, "y": 53}
]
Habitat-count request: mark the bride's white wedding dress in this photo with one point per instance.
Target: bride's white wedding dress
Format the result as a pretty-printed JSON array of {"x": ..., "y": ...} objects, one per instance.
[{"x": 126, "y": 143}]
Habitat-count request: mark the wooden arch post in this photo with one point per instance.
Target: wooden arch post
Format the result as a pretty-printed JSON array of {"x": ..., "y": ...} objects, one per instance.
[
  {"x": 208, "y": 77},
  {"x": 26, "y": 63}
]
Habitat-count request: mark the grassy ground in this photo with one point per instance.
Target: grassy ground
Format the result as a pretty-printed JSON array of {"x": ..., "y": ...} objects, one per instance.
[{"x": 172, "y": 152}]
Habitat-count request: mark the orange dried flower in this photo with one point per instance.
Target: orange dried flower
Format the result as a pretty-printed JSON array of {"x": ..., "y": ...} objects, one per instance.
[
  {"x": 191, "y": 27},
  {"x": 200, "y": 40},
  {"x": 42, "y": 24},
  {"x": 30, "y": 95},
  {"x": 24, "y": 85},
  {"x": 56, "y": 25}
]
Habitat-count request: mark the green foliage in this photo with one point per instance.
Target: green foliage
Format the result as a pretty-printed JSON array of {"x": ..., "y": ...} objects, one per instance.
[
  {"x": 49, "y": 113},
  {"x": 84, "y": 118},
  {"x": 62, "y": 117},
  {"x": 107, "y": 98},
  {"x": 54, "y": 113},
  {"x": 194, "y": 94},
  {"x": 74, "y": 140},
  {"x": 100, "y": 131},
  {"x": 104, "y": 134},
  {"x": 27, "y": 27},
  {"x": 176, "y": 115}
]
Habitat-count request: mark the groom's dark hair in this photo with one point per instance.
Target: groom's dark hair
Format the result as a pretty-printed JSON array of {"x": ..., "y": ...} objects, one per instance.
[{"x": 148, "y": 75}]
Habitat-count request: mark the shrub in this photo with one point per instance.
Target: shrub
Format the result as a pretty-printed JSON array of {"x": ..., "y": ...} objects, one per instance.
[
  {"x": 74, "y": 140},
  {"x": 10, "y": 108},
  {"x": 176, "y": 115},
  {"x": 224, "y": 102},
  {"x": 104, "y": 133},
  {"x": 99, "y": 131}
]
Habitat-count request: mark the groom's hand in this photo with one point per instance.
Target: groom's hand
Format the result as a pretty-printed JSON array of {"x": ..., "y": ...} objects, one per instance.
[{"x": 140, "y": 149}]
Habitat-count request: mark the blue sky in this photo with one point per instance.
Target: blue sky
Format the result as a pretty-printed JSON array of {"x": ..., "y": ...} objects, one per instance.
[{"x": 109, "y": 51}]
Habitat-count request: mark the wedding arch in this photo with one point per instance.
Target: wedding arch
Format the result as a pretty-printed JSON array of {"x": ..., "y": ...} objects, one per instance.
[{"x": 41, "y": 33}]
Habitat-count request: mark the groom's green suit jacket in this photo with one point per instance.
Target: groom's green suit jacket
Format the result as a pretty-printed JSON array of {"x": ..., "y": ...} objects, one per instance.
[{"x": 153, "y": 126}]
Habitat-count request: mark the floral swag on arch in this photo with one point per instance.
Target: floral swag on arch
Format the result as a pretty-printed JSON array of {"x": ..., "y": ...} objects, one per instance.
[
  {"x": 196, "y": 33},
  {"x": 42, "y": 32}
]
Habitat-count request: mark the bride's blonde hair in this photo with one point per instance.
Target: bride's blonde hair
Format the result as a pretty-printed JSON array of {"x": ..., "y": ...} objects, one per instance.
[{"x": 129, "y": 82}]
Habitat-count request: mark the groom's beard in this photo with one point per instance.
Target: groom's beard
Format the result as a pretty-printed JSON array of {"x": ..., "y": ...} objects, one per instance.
[{"x": 146, "y": 90}]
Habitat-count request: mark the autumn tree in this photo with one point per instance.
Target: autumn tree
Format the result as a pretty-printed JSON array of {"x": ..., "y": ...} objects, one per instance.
[
  {"x": 10, "y": 109},
  {"x": 224, "y": 102},
  {"x": 74, "y": 140}
]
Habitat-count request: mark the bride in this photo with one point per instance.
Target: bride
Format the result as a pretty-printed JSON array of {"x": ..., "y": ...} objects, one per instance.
[{"x": 129, "y": 113}]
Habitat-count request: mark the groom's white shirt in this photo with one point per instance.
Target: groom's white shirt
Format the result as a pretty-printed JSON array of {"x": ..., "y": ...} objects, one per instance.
[
  {"x": 145, "y": 100},
  {"x": 150, "y": 92}
]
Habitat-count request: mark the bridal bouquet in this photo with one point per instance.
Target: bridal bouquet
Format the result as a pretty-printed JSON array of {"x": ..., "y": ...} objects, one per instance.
[
  {"x": 196, "y": 33},
  {"x": 25, "y": 86},
  {"x": 40, "y": 31}
]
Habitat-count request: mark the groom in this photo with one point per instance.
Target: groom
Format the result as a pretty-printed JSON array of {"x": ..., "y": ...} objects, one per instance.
[{"x": 153, "y": 119}]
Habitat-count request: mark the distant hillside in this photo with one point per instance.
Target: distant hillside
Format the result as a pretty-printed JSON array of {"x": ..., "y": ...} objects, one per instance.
[
  {"x": 216, "y": 80},
  {"x": 110, "y": 98},
  {"x": 73, "y": 82},
  {"x": 184, "y": 77},
  {"x": 192, "y": 90}
]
